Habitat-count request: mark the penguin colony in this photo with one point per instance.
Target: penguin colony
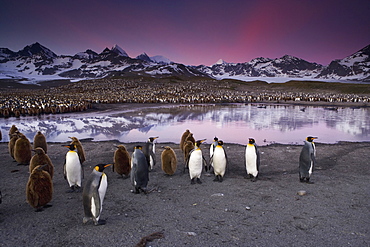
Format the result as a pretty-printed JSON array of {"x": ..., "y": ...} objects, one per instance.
[
  {"x": 67, "y": 98},
  {"x": 137, "y": 166}
]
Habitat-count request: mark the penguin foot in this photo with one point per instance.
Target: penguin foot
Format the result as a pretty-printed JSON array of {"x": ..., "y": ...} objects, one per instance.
[
  {"x": 47, "y": 206},
  {"x": 220, "y": 179},
  {"x": 302, "y": 180},
  {"x": 308, "y": 181},
  {"x": 192, "y": 181},
  {"x": 216, "y": 179},
  {"x": 198, "y": 181},
  {"x": 254, "y": 179},
  {"x": 100, "y": 222}
]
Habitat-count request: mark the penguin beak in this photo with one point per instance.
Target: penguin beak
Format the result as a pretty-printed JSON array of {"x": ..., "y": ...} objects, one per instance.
[
  {"x": 201, "y": 141},
  {"x": 107, "y": 165}
]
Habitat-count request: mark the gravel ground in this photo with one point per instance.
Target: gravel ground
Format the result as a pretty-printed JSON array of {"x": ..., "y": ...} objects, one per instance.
[{"x": 335, "y": 211}]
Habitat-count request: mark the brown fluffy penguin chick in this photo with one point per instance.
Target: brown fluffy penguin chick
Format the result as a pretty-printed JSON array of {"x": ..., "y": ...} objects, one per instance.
[
  {"x": 80, "y": 149},
  {"x": 11, "y": 144},
  {"x": 189, "y": 145},
  {"x": 22, "y": 150},
  {"x": 122, "y": 161},
  {"x": 39, "y": 140},
  {"x": 169, "y": 161},
  {"x": 12, "y": 130},
  {"x": 39, "y": 190},
  {"x": 41, "y": 158},
  {"x": 191, "y": 138},
  {"x": 183, "y": 137}
]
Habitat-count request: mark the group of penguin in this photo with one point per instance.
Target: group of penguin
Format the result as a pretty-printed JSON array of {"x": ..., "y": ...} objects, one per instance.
[{"x": 39, "y": 187}]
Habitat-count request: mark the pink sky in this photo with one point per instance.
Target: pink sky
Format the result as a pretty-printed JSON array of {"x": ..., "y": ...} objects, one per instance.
[{"x": 191, "y": 32}]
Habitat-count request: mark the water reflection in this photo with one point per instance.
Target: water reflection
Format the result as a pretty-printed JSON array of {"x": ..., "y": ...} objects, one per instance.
[{"x": 233, "y": 123}]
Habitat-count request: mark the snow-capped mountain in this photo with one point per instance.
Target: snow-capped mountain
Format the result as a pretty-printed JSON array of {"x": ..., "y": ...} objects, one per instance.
[{"x": 36, "y": 62}]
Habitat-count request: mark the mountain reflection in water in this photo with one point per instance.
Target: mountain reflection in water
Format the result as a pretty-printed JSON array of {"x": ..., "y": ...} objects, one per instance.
[{"x": 233, "y": 123}]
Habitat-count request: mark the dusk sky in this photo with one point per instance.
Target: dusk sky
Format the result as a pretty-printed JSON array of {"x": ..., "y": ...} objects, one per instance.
[{"x": 191, "y": 32}]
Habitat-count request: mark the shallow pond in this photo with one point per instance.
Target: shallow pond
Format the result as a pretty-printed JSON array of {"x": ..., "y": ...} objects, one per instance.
[{"x": 233, "y": 123}]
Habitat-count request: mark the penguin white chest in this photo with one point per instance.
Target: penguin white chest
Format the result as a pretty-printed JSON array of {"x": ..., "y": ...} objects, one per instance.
[
  {"x": 73, "y": 169},
  {"x": 251, "y": 160},
  {"x": 195, "y": 164},
  {"x": 102, "y": 189},
  {"x": 219, "y": 161}
]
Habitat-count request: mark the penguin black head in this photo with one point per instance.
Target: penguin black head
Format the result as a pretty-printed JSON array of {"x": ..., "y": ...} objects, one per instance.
[
  {"x": 70, "y": 146},
  {"x": 197, "y": 143},
  {"x": 138, "y": 147},
  {"x": 101, "y": 167},
  {"x": 151, "y": 139},
  {"x": 251, "y": 141},
  {"x": 220, "y": 142},
  {"x": 215, "y": 139},
  {"x": 310, "y": 138}
]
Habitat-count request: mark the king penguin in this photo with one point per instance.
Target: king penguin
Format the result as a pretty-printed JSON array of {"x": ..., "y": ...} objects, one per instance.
[
  {"x": 13, "y": 138},
  {"x": 169, "y": 160},
  {"x": 139, "y": 171},
  {"x": 80, "y": 149},
  {"x": 93, "y": 194},
  {"x": 41, "y": 158},
  {"x": 149, "y": 152},
  {"x": 307, "y": 160},
  {"x": 252, "y": 160},
  {"x": 39, "y": 189},
  {"x": 72, "y": 169},
  {"x": 212, "y": 148},
  {"x": 182, "y": 140},
  {"x": 121, "y": 161},
  {"x": 22, "y": 150},
  {"x": 195, "y": 162},
  {"x": 39, "y": 140},
  {"x": 219, "y": 161}
]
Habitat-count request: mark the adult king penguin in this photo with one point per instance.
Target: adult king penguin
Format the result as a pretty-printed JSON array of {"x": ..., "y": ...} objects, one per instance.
[
  {"x": 219, "y": 161},
  {"x": 195, "y": 162},
  {"x": 122, "y": 161},
  {"x": 139, "y": 171},
  {"x": 94, "y": 193},
  {"x": 252, "y": 160},
  {"x": 72, "y": 169},
  {"x": 212, "y": 148},
  {"x": 149, "y": 152},
  {"x": 307, "y": 160}
]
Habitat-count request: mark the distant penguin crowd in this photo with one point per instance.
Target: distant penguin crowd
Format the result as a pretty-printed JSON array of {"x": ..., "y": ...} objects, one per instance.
[
  {"x": 80, "y": 96},
  {"x": 137, "y": 165}
]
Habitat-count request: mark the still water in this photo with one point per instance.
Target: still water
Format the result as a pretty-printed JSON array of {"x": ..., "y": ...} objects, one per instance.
[{"x": 233, "y": 123}]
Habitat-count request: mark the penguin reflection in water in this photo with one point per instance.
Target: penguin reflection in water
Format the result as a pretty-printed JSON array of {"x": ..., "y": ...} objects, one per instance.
[
  {"x": 139, "y": 171},
  {"x": 219, "y": 161},
  {"x": 94, "y": 193},
  {"x": 307, "y": 160},
  {"x": 195, "y": 163},
  {"x": 252, "y": 160}
]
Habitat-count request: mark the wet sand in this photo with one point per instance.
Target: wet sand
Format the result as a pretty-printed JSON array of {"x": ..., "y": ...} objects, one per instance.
[{"x": 335, "y": 211}]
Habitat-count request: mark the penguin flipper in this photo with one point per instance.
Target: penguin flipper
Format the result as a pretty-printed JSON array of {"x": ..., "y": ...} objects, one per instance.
[{"x": 64, "y": 169}]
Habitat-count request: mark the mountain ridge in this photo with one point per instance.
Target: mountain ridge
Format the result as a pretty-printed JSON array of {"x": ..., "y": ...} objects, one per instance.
[{"x": 36, "y": 62}]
